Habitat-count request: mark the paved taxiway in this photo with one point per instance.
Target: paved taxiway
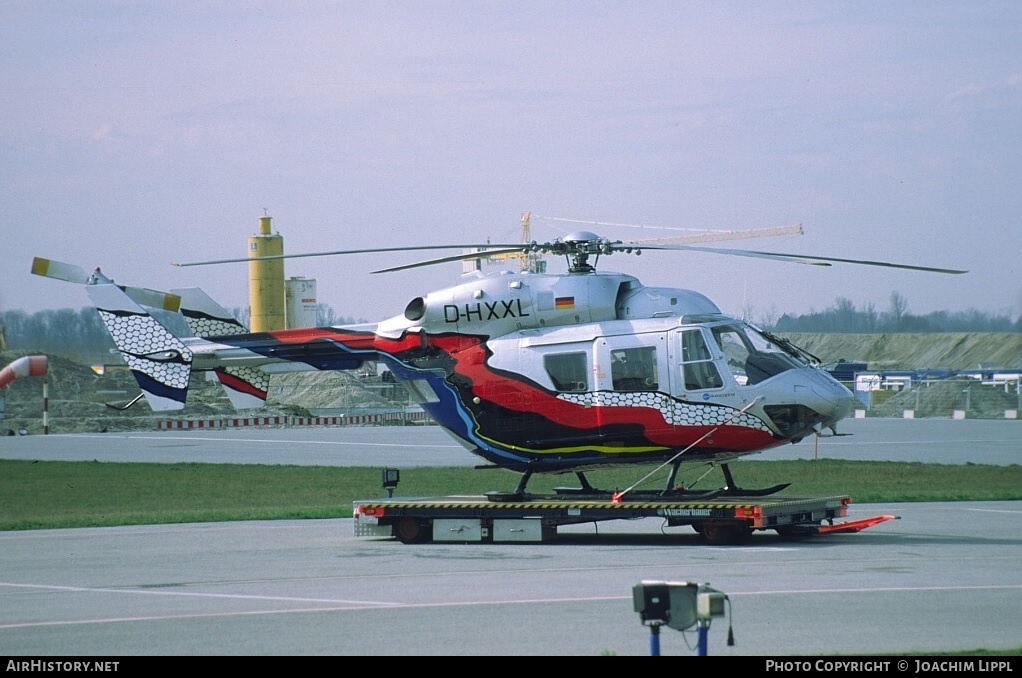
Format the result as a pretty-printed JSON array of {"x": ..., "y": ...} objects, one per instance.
[
  {"x": 938, "y": 441},
  {"x": 941, "y": 577}
]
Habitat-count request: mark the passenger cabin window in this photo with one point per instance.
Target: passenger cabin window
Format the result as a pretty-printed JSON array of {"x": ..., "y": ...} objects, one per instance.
[
  {"x": 634, "y": 369},
  {"x": 697, "y": 369},
  {"x": 568, "y": 371}
]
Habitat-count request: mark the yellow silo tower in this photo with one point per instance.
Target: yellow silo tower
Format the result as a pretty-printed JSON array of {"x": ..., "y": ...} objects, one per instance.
[{"x": 266, "y": 279}]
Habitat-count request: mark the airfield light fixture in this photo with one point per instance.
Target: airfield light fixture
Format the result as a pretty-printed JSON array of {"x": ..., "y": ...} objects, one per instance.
[
  {"x": 666, "y": 603},
  {"x": 389, "y": 478},
  {"x": 679, "y": 605}
]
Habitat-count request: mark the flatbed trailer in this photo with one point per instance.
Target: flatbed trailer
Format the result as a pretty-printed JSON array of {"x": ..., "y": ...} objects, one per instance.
[{"x": 535, "y": 518}]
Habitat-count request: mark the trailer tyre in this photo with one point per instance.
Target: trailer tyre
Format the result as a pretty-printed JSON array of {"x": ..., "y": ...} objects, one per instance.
[
  {"x": 791, "y": 532},
  {"x": 723, "y": 533},
  {"x": 412, "y": 531}
]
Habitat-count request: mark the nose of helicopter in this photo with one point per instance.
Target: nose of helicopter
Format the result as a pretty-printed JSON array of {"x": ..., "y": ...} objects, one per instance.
[
  {"x": 835, "y": 402},
  {"x": 815, "y": 401}
]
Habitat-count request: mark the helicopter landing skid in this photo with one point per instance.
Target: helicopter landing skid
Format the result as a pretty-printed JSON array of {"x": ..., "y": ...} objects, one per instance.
[
  {"x": 742, "y": 492},
  {"x": 593, "y": 494},
  {"x": 731, "y": 489},
  {"x": 672, "y": 491}
]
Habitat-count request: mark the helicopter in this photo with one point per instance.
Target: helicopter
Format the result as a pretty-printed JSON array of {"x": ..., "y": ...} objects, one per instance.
[{"x": 532, "y": 372}]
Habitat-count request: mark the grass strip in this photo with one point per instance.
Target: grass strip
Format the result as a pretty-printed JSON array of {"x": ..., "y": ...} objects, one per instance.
[{"x": 53, "y": 494}]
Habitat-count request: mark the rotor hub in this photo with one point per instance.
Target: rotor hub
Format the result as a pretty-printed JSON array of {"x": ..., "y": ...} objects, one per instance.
[{"x": 578, "y": 247}]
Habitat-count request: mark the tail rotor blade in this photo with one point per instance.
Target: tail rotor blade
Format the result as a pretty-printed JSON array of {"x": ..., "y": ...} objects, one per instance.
[
  {"x": 57, "y": 269},
  {"x": 153, "y": 298},
  {"x": 48, "y": 268}
]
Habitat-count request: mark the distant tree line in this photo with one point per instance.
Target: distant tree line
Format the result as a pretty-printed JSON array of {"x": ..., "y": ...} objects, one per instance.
[
  {"x": 82, "y": 337},
  {"x": 845, "y": 317},
  {"x": 77, "y": 335}
]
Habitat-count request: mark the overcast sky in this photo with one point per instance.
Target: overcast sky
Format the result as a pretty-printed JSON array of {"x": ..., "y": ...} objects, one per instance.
[{"x": 134, "y": 134}]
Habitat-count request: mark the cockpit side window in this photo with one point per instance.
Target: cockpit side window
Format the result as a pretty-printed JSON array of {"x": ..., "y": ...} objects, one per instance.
[
  {"x": 568, "y": 371},
  {"x": 751, "y": 356},
  {"x": 697, "y": 369},
  {"x": 735, "y": 348},
  {"x": 634, "y": 369}
]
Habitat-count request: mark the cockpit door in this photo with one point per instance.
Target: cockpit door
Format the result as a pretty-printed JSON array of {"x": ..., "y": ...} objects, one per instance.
[{"x": 694, "y": 366}]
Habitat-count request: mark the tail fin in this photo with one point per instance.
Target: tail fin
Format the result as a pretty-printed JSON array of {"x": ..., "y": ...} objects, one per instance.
[
  {"x": 205, "y": 317},
  {"x": 246, "y": 387},
  {"x": 160, "y": 362}
]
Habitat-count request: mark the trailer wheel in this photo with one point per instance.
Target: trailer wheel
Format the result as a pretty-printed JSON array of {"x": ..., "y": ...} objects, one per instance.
[
  {"x": 791, "y": 532},
  {"x": 723, "y": 533},
  {"x": 412, "y": 531}
]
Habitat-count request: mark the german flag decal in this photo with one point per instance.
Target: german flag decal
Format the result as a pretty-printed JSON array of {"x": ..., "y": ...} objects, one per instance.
[{"x": 564, "y": 303}]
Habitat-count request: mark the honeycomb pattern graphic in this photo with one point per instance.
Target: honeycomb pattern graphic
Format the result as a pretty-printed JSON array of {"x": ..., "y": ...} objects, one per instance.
[
  {"x": 207, "y": 326},
  {"x": 257, "y": 378},
  {"x": 139, "y": 336},
  {"x": 203, "y": 325},
  {"x": 674, "y": 412}
]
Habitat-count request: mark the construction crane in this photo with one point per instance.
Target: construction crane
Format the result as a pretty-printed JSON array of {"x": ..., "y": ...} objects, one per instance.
[
  {"x": 717, "y": 236},
  {"x": 533, "y": 261},
  {"x": 528, "y": 261}
]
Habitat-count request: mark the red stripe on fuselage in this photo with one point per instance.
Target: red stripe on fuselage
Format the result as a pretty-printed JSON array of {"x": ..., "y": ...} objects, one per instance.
[
  {"x": 469, "y": 355},
  {"x": 353, "y": 340},
  {"x": 356, "y": 341},
  {"x": 517, "y": 395}
]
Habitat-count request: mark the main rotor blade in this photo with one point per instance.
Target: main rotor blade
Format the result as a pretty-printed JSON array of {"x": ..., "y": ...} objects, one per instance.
[
  {"x": 489, "y": 249},
  {"x": 717, "y": 236},
  {"x": 456, "y": 257},
  {"x": 372, "y": 250},
  {"x": 805, "y": 258}
]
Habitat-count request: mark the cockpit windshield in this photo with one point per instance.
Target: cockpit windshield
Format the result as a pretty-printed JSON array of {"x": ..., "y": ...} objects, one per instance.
[{"x": 752, "y": 356}]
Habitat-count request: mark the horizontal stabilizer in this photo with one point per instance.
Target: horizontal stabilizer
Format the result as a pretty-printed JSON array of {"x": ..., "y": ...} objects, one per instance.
[{"x": 160, "y": 362}]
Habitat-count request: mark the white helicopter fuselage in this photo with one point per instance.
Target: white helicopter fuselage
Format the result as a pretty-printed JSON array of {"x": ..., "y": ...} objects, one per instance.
[
  {"x": 547, "y": 370},
  {"x": 553, "y": 371}
]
